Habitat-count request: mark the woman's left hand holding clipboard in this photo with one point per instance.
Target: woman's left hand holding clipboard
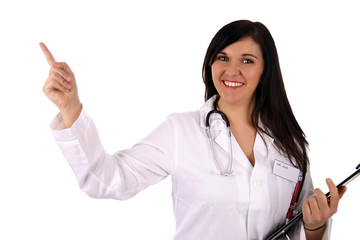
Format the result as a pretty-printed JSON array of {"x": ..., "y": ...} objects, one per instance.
[{"x": 317, "y": 209}]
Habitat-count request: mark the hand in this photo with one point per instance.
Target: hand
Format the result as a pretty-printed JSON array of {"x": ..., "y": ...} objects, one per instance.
[
  {"x": 317, "y": 209},
  {"x": 60, "y": 87}
]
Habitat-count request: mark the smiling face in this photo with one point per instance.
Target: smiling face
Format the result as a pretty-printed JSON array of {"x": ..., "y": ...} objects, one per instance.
[{"x": 236, "y": 71}]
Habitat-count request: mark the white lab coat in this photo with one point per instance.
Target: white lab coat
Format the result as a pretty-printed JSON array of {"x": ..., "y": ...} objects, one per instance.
[{"x": 207, "y": 206}]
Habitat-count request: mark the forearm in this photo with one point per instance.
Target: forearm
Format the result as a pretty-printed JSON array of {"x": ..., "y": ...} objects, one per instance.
[
  {"x": 82, "y": 148},
  {"x": 118, "y": 176}
]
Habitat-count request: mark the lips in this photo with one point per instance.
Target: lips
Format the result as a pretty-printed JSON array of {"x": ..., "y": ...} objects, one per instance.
[{"x": 233, "y": 84}]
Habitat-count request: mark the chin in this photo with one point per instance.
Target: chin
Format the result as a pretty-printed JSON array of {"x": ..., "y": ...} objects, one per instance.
[
  {"x": 230, "y": 100},
  {"x": 234, "y": 100}
]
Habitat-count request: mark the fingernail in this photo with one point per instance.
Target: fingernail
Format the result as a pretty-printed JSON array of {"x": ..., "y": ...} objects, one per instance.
[
  {"x": 328, "y": 180},
  {"x": 68, "y": 86},
  {"x": 68, "y": 79}
]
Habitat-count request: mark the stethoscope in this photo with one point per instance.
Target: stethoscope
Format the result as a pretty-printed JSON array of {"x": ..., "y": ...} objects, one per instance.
[{"x": 229, "y": 171}]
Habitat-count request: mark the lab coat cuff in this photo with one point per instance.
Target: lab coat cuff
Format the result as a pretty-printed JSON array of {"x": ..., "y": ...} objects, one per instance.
[
  {"x": 327, "y": 233},
  {"x": 65, "y": 134}
]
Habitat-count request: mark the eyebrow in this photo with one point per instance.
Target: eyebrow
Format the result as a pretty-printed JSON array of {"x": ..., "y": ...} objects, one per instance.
[{"x": 244, "y": 55}]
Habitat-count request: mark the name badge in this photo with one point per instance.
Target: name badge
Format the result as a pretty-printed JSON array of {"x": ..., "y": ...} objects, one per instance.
[{"x": 286, "y": 171}]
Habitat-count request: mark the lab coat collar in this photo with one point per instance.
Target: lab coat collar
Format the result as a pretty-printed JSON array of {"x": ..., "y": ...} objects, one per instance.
[
  {"x": 207, "y": 107},
  {"x": 220, "y": 136},
  {"x": 220, "y": 133}
]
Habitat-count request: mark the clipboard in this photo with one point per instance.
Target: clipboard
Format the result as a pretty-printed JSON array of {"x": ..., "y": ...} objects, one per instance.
[{"x": 282, "y": 230}]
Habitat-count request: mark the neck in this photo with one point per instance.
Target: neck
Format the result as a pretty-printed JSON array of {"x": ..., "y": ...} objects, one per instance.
[{"x": 237, "y": 113}]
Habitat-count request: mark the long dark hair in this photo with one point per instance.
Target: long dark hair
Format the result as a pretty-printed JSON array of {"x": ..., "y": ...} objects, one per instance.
[{"x": 271, "y": 106}]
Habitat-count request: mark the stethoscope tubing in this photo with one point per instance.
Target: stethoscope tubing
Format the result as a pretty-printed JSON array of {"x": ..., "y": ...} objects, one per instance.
[{"x": 229, "y": 171}]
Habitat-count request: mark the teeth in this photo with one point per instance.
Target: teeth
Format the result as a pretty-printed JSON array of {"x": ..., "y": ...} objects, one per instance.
[{"x": 233, "y": 84}]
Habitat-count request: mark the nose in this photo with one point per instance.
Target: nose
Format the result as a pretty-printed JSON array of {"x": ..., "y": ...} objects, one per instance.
[{"x": 233, "y": 69}]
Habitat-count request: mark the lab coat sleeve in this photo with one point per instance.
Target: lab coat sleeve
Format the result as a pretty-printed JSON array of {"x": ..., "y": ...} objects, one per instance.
[
  {"x": 308, "y": 190},
  {"x": 120, "y": 175}
]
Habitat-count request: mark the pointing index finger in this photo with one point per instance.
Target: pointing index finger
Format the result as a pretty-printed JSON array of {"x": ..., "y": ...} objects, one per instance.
[{"x": 49, "y": 57}]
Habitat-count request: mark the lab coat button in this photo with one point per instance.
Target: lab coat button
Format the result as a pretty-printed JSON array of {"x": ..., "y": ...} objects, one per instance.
[{"x": 256, "y": 183}]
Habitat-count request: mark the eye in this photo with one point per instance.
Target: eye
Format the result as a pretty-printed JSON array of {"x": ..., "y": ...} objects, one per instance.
[
  {"x": 222, "y": 58},
  {"x": 247, "y": 61}
]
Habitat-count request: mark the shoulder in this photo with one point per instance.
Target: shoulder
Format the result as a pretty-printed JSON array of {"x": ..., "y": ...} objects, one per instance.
[
  {"x": 179, "y": 119},
  {"x": 197, "y": 117}
]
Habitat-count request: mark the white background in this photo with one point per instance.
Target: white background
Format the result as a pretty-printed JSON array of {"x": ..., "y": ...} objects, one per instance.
[{"x": 135, "y": 63}]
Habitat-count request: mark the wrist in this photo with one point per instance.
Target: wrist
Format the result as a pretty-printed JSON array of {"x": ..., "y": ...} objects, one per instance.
[
  {"x": 313, "y": 228},
  {"x": 71, "y": 114}
]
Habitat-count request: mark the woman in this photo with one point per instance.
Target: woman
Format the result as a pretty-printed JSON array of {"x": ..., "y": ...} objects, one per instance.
[{"x": 224, "y": 186}]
